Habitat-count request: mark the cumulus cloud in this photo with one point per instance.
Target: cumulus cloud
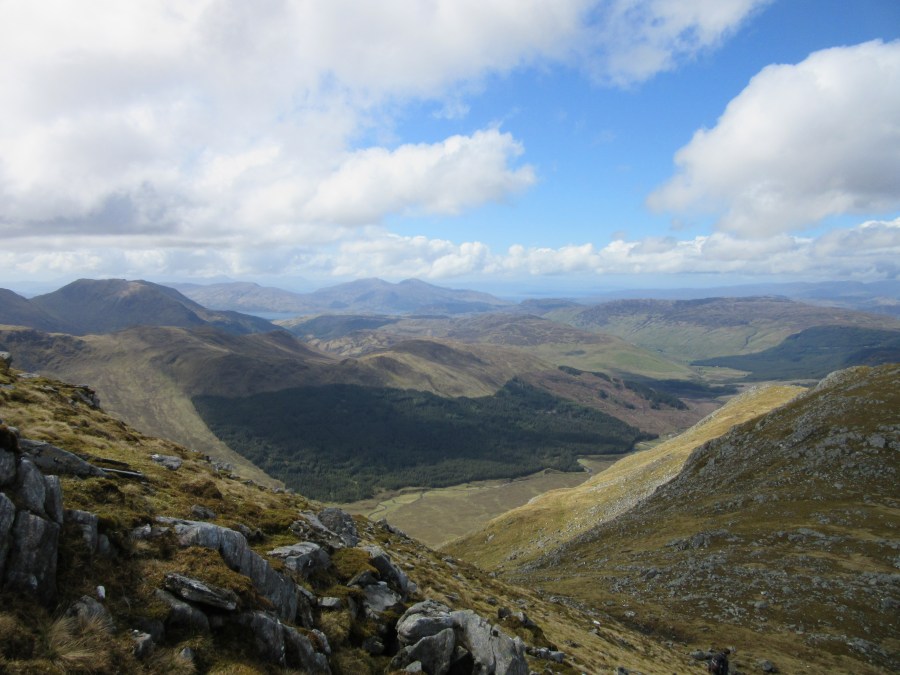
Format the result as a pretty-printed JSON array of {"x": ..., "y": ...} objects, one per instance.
[
  {"x": 800, "y": 143},
  {"x": 222, "y": 123}
]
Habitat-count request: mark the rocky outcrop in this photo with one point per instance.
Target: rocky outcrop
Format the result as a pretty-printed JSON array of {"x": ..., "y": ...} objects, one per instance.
[
  {"x": 237, "y": 554},
  {"x": 441, "y": 641}
]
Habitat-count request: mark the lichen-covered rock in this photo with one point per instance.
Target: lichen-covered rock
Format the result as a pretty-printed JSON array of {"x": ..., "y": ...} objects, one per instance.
[
  {"x": 428, "y": 617},
  {"x": 304, "y": 557},
  {"x": 53, "y": 460},
  {"x": 389, "y": 572},
  {"x": 7, "y": 518},
  {"x": 341, "y": 523},
  {"x": 182, "y": 615},
  {"x": 435, "y": 653},
  {"x": 171, "y": 462},
  {"x": 492, "y": 650},
  {"x": 194, "y": 590},
  {"x": 31, "y": 488},
  {"x": 53, "y": 501},
  {"x": 7, "y": 467},
  {"x": 31, "y": 565},
  {"x": 379, "y": 597},
  {"x": 237, "y": 554},
  {"x": 283, "y": 645}
]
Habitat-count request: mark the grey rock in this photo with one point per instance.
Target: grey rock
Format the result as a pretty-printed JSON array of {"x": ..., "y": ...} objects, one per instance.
[
  {"x": 30, "y": 487},
  {"x": 53, "y": 499},
  {"x": 435, "y": 653},
  {"x": 309, "y": 527},
  {"x": 7, "y": 518},
  {"x": 300, "y": 652},
  {"x": 363, "y": 579},
  {"x": 766, "y": 666},
  {"x": 7, "y": 467},
  {"x": 53, "y": 460},
  {"x": 388, "y": 571},
  {"x": 373, "y": 645},
  {"x": 379, "y": 597},
  {"x": 414, "y": 667},
  {"x": 87, "y": 522},
  {"x": 31, "y": 565},
  {"x": 341, "y": 523},
  {"x": 492, "y": 650},
  {"x": 171, "y": 462},
  {"x": 281, "y": 644},
  {"x": 194, "y": 590},
  {"x": 428, "y": 617},
  {"x": 87, "y": 608},
  {"x": 322, "y": 640},
  {"x": 182, "y": 615},
  {"x": 153, "y": 627},
  {"x": 330, "y": 602},
  {"x": 142, "y": 645},
  {"x": 201, "y": 512},
  {"x": 238, "y": 556},
  {"x": 304, "y": 557}
]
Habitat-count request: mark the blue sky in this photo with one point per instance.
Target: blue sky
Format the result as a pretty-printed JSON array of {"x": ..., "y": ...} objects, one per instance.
[{"x": 572, "y": 145}]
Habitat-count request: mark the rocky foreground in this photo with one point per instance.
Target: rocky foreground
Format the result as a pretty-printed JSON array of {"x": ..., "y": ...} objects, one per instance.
[{"x": 121, "y": 553}]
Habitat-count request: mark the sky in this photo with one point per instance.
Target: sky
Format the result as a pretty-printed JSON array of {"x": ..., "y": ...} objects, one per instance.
[{"x": 573, "y": 145}]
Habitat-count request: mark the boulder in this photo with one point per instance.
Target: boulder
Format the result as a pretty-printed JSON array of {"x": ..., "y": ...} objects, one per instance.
[
  {"x": 31, "y": 565},
  {"x": 53, "y": 460},
  {"x": 379, "y": 597},
  {"x": 7, "y": 467},
  {"x": 87, "y": 608},
  {"x": 194, "y": 590},
  {"x": 31, "y": 488},
  {"x": 7, "y": 518},
  {"x": 304, "y": 557},
  {"x": 201, "y": 512},
  {"x": 182, "y": 615},
  {"x": 387, "y": 569},
  {"x": 171, "y": 462},
  {"x": 238, "y": 556},
  {"x": 435, "y": 653},
  {"x": 422, "y": 619},
  {"x": 283, "y": 645},
  {"x": 53, "y": 499},
  {"x": 341, "y": 523},
  {"x": 491, "y": 649},
  {"x": 308, "y": 526}
]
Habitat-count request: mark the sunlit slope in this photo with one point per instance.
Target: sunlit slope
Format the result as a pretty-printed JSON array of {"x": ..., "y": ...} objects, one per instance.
[
  {"x": 780, "y": 535},
  {"x": 559, "y": 516}
]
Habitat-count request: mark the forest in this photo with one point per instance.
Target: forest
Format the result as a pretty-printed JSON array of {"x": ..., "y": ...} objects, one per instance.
[{"x": 344, "y": 442}]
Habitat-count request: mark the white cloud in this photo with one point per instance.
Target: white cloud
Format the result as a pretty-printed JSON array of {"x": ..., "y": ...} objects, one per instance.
[
  {"x": 222, "y": 123},
  {"x": 800, "y": 143},
  {"x": 441, "y": 178}
]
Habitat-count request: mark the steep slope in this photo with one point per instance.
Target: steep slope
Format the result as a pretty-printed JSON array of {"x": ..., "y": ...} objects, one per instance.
[
  {"x": 18, "y": 311},
  {"x": 557, "y": 517},
  {"x": 689, "y": 330},
  {"x": 104, "y": 306},
  {"x": 165, "y": 565},
  {"x": 780, "y": 537}
]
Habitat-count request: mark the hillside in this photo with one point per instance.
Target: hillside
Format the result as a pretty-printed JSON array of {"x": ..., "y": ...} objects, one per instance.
[
  {"x": 345, "y": 442},
  {"x": 779, "y": 535},
  {"x": 364, "y": 296},
  {"x": 153, "y": 561},
  {"x": 557, "y": 517},
  {"x": 815, "y": 352},
  {"x": 90, "y": 306},
  {"x": 689, "y": 330},
  {"x": 18, "y": 311}
]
